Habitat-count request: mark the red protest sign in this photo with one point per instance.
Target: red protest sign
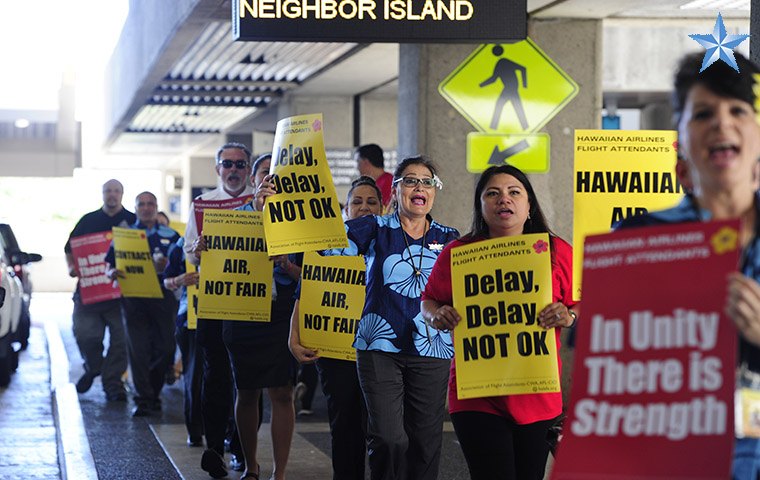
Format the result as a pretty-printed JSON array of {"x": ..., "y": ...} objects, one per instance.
[
  {"x": 653, "y": 379},
  {"x": 89, "y": 253},
  {"x": 200, "y": 205}
]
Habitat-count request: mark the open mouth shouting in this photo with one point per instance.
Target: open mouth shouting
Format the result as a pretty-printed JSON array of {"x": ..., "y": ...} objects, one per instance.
[
  {"x": 722, "y": 152},
  {"x": 418, "y": 200}
]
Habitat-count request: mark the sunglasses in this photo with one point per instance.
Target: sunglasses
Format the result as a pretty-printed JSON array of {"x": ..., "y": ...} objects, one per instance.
[
  {"x": 239, "y": 164},
  {"x": 412, "y": 182}
]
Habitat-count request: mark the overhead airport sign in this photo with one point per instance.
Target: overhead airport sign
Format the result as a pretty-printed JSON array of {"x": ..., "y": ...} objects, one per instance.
[{"x": 366, "y": 21}]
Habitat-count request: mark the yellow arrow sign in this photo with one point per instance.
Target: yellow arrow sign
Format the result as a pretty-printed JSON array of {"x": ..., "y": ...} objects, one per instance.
[
  {"x": 528, "y": 152},
  {"x": 510, "y": 88}
]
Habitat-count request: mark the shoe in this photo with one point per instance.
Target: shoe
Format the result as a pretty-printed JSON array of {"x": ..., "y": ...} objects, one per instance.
[
  {"x": 252, "y": 475},
  {"x": 237, "y": 462},
  {"x": 170, "y": 377},
  {"x": 298, "y": 392},
  {"x": 116, "y": 396},
  {"x": 141, "y": 410},
  {"x": 85, "y": 381},
  {"x": 305, "y": 412},
  {"x": 193, "y": 441},
  {"x": 213, "y": 463}
]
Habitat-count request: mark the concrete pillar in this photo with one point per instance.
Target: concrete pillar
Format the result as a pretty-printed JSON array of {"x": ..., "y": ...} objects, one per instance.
[
  {"x": 657, "y": 116},
  {"x": 429, "y": 125},
  {"x": 754, "y": 31}
]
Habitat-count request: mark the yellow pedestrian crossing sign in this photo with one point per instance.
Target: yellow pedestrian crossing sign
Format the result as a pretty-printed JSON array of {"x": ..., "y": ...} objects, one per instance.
[
  {"x": 528, "y": 152},
  {"x": 509, "y": 88}
]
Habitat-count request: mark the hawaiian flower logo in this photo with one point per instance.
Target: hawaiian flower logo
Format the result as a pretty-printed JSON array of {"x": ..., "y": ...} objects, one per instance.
[
  {"x": 142, "y": 235},
  {"x": 540, "y": 246},
  {"x": 724, "y": 240},
  {"x": 375, "y": 333},
  {"x": 435, "y": 247},
  {"x": 430, "y": 342},
  {"x": 401, "y": 270},
  {"x": 316, "y": 125}
]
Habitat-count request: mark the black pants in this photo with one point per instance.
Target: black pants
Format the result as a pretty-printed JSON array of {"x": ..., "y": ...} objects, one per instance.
[
  {"x": 217, "y": 399},
  {"x": 150, "y": 342},
  {"x": 192, "y": 379},
  {"x": 406, "y": 403},
  {"x": 348, "y": 417},
  {"x": 495, "y": 447}
]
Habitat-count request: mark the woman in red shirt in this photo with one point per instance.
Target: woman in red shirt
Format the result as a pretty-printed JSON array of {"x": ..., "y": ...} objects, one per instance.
[{"x": 504, "y": 437}]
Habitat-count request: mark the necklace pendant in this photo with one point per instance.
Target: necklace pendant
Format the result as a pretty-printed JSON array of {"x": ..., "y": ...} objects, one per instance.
[{"x": 417, "y": 272}]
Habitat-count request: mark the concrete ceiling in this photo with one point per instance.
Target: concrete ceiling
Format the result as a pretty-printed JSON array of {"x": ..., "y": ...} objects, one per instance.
[{"x": 218, "y": 86}]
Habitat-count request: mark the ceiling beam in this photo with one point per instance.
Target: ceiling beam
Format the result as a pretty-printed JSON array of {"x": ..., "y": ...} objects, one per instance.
[
  {"x": 201, "y": 83},
  {"x": 204, "y": 101}
]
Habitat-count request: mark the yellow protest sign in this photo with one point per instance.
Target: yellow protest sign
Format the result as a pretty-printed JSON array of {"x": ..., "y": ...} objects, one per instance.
[
  {"x": 332, "y": 299},
  {"x": 499, "y": 286},
  {"x": 304, "y": 215},
  {"x": 236, "y": 273},
  {"x": 192, "y": 299},
  {"x": 133, "y": 257},
  {"x": 619, "y": 173}
]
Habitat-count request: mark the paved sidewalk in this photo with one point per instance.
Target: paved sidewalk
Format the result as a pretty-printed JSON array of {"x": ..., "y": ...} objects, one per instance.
[{"x": 27, "y": 428}]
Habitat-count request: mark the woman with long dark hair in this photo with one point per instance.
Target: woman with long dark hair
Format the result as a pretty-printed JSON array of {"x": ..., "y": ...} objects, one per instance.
[{"x": 503, "y": 437}]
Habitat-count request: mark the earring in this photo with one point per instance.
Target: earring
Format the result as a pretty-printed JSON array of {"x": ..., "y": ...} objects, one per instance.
[{"x": 529, "y": 216}]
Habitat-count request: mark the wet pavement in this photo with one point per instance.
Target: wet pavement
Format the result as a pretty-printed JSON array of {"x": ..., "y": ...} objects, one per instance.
[{"x": 99, "y": 439}]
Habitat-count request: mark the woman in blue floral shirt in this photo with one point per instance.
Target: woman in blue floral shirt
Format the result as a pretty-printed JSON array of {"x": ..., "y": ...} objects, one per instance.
[{"x": 402, "y": 364}]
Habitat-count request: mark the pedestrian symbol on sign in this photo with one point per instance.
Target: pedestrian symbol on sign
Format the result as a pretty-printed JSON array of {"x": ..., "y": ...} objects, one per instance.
[
  {"x": 507, "y": 71},
  {"x": 484, "y": 101}
]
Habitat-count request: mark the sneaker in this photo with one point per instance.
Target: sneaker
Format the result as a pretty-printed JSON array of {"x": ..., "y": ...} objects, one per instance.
[
  {"x": 193, "y": 441},
  {"x": 85, "y": 381},
  {"x": 237, "y": 463},
  {"x": 305, "y": 412}
]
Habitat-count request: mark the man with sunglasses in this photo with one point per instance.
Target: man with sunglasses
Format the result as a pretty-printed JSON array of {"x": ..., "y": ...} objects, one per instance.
[{"x": 233, "y": 166}]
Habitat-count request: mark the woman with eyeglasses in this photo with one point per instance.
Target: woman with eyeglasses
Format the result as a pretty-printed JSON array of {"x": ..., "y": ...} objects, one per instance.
[
  {"x": 340, "y": 382},
  {"x": 504, "y": 437},
  {"x": 402, "y": 363}
]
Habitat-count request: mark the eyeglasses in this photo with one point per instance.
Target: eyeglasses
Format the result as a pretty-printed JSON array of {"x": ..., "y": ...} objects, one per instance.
[
  {"x": 412, "y": 182},
  {"x": 239, "y": 164}
]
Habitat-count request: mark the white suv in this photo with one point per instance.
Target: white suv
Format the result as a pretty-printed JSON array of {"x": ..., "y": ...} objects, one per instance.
[{"x": 10, "y": 313}]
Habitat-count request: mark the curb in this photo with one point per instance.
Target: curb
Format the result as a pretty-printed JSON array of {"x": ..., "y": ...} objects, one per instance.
[{"x": 74, "y": 454}]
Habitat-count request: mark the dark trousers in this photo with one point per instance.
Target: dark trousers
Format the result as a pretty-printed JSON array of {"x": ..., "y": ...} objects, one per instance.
[
  {"x": 217, "y": 399},
  {"x": 496, "y": 447},
  {"x": 150, "y": 342},
  {"x": 348, "y": 417},
  {"x": 192, "y": 380},
  {"x": 89, "y": 324},
  {"x": 406, "y": 401}
]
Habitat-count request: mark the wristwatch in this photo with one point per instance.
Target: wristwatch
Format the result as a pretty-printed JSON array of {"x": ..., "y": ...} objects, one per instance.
[{"x": 574, "y": 315}]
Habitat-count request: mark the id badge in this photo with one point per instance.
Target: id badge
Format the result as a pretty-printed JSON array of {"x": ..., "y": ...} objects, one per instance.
[{"x": 747, "y": 405}]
